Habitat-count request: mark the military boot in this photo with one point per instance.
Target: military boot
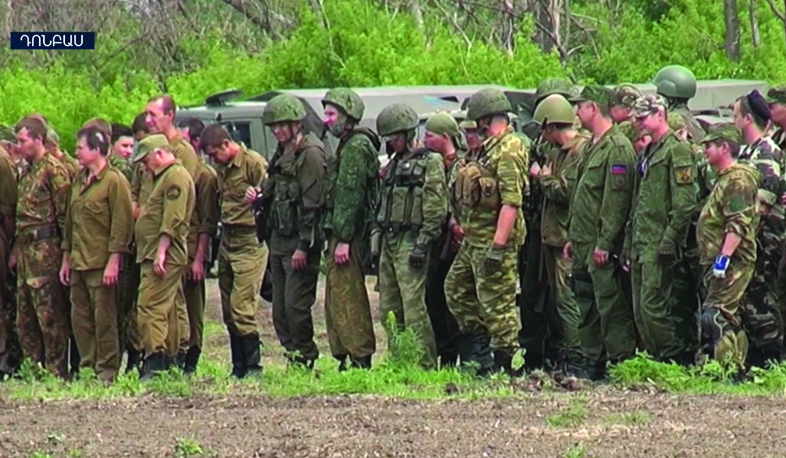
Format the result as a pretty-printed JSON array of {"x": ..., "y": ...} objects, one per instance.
[
  {"x": 73, "y": 358},
  {"x": 503, "y": 361},
  {"x": 252, "y": 354},
  {"x": 342, "y": 362},
  {"x": 481, "y": 354},
  {"x": 191, "y": 359},
  {"x": 154, "y": 364},
  {"x": 238, "y": 357},
  {"x": 363, "y": 362},
  {"x": 179, "y": 360},
  {"x": 464, "y": 347},
  {"x": 134, "y": 356}
]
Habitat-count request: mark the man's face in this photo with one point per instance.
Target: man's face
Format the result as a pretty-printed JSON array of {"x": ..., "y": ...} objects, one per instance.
[
  {"x": 86, "y": 155},
  {"x": 156, "y": 120},
  {"x": 397, "y": 142},
  {"x": 283, "y": 131},
  {"x": 123, "y": 147},
  {"x": 714, "y": 151},
  {"x": 434, "y": 142},
  {"x": 647, "y": 124},
  {"x": 620, "y": 113},
  {"x": 332, "y": 115},
  {"x": 740, "y": 120},
  {"x": 219, "y": 154},
  {"x": 473, "y": 139},
  {"x": 28, "y": 146},
  {"x": 586, "y": 113},
  {"x": 778, "y": 113}
]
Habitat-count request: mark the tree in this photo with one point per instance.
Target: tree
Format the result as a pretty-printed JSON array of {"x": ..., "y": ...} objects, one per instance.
[
  {"x": 732, "y": 22},
  {"x": 781, "y": 15}
]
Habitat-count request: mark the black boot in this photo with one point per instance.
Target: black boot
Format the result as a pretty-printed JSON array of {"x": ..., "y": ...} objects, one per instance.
[
  {"x": 481, "y": 354},
  {"x": 464, "y": 346},
  {"x": 342, "y": 362},
  {"x": 134, "y": 357},
  {"x": 191, "y": 359},
  {"x": 364, "y": 362},
  {"x": 503, "y": 361},
  {"x": 252, "y": 354},
  {"x": 532, "y": 361},
  {"x": 154, "y": 364},
  {"x": 238, "y": 358},
  {"x": 73, "y": 357}
]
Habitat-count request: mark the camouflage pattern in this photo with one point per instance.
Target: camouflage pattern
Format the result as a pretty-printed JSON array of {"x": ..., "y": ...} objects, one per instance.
[
  {"x": 695, "y": 131},
  {"x": 487, "y": 102},
  {"x": 396, "y": 118},
  {"x": 124, "y": 166},
  {"x": 347, "y": 100},
  {"x": 442, "y": 124},
  {"x": 553, "y": 86},
  {"x": 9, "y": 344},
  {"x": 596, "y": 94},
  {"x": 599, "y": 210},
  {"x": 647, "y": 105},
  {"x": 721, "y": 322},
  {"x": 777, "y": 95},
  {"x": 71, "y": 165},
  {"x": 42, "y": 313},
  {"x": 283, "y": 108},
  {"x": 402, "y": 288},
  {"x": 628, "y": 129},
  {"x": 768, "y": 159},
  {"x": 625, "y": 95}
]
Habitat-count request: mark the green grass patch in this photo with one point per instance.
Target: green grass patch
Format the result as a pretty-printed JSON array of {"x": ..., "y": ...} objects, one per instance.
[
  {"x": 575, "y": 451},
  {"x": 637, "y": 418},
  {"x": 571, "y": 417}
]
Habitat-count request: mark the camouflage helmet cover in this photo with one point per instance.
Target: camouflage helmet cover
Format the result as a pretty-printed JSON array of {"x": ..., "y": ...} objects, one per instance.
[
  {"x": 554, "y": 86},
  {"x": 442, "y": 124},
  {"x": 554, "y": 109},
  {"x": 675, "y": 81},
  {"x": 347, "y": 100},
  {"x": 487, "y": 102},
  {"x": 625, "y": 95},
  {"x": 395, "y": 118},
  {"x": 283, "y": 108}
]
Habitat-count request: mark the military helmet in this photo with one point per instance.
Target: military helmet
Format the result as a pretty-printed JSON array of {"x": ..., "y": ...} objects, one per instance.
[
  {"x": 553, "y": 86},
  {"x": 346, "y": 99},
  {"x": 675, "y": 81},
  {"x": 554, "y": 109},
  {"x": 395, "y": 118},
  {"x": 441, "y": 124},
  {"x": 283, "y": 108},
  {"x": 487, "y": 102}
]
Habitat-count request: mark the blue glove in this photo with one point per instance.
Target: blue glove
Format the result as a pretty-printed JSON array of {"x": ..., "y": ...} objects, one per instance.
[{"x": 720, "y": 266}]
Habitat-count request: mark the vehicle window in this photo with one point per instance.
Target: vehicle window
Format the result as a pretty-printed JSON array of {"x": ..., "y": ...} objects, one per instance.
[{"x": 240, "y": 131}]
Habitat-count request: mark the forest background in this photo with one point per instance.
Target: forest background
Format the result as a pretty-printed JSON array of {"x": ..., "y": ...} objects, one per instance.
[{"x": 192, "y": 48}]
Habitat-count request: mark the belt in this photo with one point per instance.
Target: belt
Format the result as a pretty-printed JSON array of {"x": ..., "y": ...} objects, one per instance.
[
  {"x": 238, "y": 230},
  {"x": 36, "y": 235}
]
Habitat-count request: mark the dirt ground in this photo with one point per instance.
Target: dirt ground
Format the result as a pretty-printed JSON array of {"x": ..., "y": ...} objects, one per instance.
[{"x": 603, "y": 423}]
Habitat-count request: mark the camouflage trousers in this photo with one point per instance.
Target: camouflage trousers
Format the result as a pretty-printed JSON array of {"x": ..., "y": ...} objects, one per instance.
[
  {"x": 94, "y": 317},
  {"x": 10, "y": 351},
  {"x": 350, "y": 327},
  {"x": 653, "y": 304},
  {"x": 761, "y": 317},
  {"x": 241, "y": 266},
  {"x": 606, "y": 318},
  {"x": 402, "y": 292},
  {"x": 42, "y": 315},
  {"x": 721, "y": 320},
  {"x": 485, "y": 302}
]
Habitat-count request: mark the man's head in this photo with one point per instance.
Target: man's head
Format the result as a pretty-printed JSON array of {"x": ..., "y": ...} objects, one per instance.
[
  {"x": 675, "y": 82},
  {"x": 100, "y": 123},
  {"x": 343, "y": 109},
  {"x": 649, "y": 114},
  {"x": 122, "y": 141},
  {"x": 751, "y": 113},
  {"x": 30, "y": 136},
  {"x": 642, "y": 142},
  {"x": 722, "y": 143},
  {"x": 218, "y": 144},
  {"x": 139, "y": 127},
  {"x": 625, "y": 96},
  {"x": 396, "y": 125},
  {"x": 160, "y": 114},
  {"x": 154, "y": 152},
  {"x": 553, "y": 86},
  {"x": 777, "y": 100},
  {"x": 284, "y": 115},
  {"x": 593, "y": 104},
  {"x": 441, "y": 130},
  {"x": 52, "y": 141},
  {"x": 555, "y": 115},
  {"x": 191, "y": 129},
  {"x": 91, "y": 145},
  {"x": 489, "y": 108},
  {"x": 470, "y": 129}
]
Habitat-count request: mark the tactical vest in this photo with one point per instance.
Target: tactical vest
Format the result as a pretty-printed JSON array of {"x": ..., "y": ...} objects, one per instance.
[
  {"x": 476, "y": 185},
  {"x": 287, "y": 201},
  {"x": 401, "y": 197}
]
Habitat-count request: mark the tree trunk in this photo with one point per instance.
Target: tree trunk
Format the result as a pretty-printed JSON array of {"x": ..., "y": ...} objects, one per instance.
[
  {"x": 414, "y": 9},
  {"x": 781, "y": 16},
  {"x": 753, "y": 7},
  {"x": 732, "y": 21}
]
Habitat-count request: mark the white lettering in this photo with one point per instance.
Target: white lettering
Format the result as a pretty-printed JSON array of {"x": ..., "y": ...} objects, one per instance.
[
  {"x": 67, "y": 40},
  {"x": 24, "y": 35},
  {"x": 57, "y": 40},
  {"x": 36, "y": 36},
  {"x": 80, "y": 41}
]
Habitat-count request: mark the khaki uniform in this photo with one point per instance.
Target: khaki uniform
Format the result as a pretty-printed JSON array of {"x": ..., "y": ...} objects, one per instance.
[
  {"x": 42, "y": 313},
  {"x": 167, "y": 211},
  {"x": 9, "y": 343},
  {"x": 99, "y": 223},
  {"x": 71, "y": 164}
]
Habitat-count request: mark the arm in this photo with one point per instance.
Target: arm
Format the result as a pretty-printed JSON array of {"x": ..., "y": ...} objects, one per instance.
[
  {"x": 683, "y": 194},
  {"x": 351, "y": 187},
  {"x": 559, "y": 187},
  {"x": 740, "y": 214},
  {"x": 60, "y": 189},
  {"x": 513, "y": 184},
  {"x": 8, "y": 183},
  {"x": 617, "y": 193},
  {"x": 121, "y": 225},
  {"x": 435, "y": 200},
  {"x": 309, "y": 177}
]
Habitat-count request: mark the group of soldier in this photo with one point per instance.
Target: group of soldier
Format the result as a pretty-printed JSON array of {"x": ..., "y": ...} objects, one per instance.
[{"x": 621, "y": 226}]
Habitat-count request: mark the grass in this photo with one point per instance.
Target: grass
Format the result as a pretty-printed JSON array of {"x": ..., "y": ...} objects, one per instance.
[
  {"x": 576, "y": 451},
  {"x": 571, "y": 417},
  {"x": 638, "y": 418}
]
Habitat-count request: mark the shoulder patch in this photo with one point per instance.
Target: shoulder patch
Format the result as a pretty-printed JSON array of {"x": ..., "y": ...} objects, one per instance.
[
  {"x": 619, "y": 169},
  {"x": 173, "y": 193},
  {"x": 736, "y": 203},
  {"x": 683, "y": 175}
]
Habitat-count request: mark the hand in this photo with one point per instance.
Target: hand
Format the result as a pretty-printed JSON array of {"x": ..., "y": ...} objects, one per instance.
[
  {"x": 196, "y": 272},
  {"x": 417, "y": 258},
  {"x": 458, "y": 237},
  {"x": 65, "y": 271},
  {"x": 721, "y": 266},
  {"x": 251, "y": 195},
  {"x": 494, "y": 258},
  {"x": 546, "y": 171},
  {"x": 534, "y": 171},
  {"x": 299, "y": 260},
  {"x": 600, "y": 257},
  {"x": 111, "y": 273},
  {"x": 158, "y": 264},
  {"x": 667, "y": 251},
  {"x": 341, "y": 255},
  {"x": 567, "y": 251},
  {"x": 625, "y": 260}
]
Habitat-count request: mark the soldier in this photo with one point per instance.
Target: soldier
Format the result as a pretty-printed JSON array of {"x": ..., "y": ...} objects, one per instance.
[
  {"x": 9, "y": 343},
  {"x": 139, "y": 126},
  {"x": 293, "y": 192},
  {"x": 625, "y": 96},
  {"x": 664, "y": 201},
  {"x": 474, "y": 143},
  {"x": 122, "y": 150},
  {"x": 42, "y": 315},
  {"x": 191, "y": 129},
  {"x": 242, "y": 257},
  {"x": 640, "y": 144},
  {"x": 481, "y": 284},
  {"x": 598, "y": 212},
  {"x": 678, "y": 85},
  {"x": 53, "y": 148},
  {"x": 351, "y": 192},
  {"x": 97, "y": 234},
  {"x": 443, "y": 135},
  {"x": 412, "y": 208},
  {"x": 161, "y": 235},
  {"x": 557, "y": 179},
  {"x": 726, "y": 233},
  {"x": 777, "y": 100}
]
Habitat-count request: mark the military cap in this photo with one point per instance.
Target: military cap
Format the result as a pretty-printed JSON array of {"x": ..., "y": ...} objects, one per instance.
[
  {"x": 467, "y": 124},
  {"x": 625, "y": 95},
  {"x": 726, "y": 132},
  {"x": 777, "y": 95},
  {"x": 148, "y": 144},
  {"x": 648, "y": 104},
  {"x": 677, "y": 121},
  {"x": 758, "y": 105},
  {"x": 597, "y": 94},
  {"x": 441, "y": 124}
]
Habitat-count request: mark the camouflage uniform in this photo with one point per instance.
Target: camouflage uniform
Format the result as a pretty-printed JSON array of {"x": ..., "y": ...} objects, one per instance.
[
  {"x": 123, "y": 166},
  {"x": 664, "y": 202},
  {"x": 625, "y": 95},
  {"x": 42, "y": 315},
  {"x": 10, "y": 352}
]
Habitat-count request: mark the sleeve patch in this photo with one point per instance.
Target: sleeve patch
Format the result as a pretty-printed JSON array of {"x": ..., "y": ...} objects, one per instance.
[
  {"x": 736, "y": 203},
  {"x": 173, "y": 193},
  {"x": 683, "y": 175},
  {"x": 619, "y": 169}
]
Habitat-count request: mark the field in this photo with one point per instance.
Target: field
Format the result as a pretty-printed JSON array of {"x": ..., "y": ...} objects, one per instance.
[{"x": 396, "y": 410}]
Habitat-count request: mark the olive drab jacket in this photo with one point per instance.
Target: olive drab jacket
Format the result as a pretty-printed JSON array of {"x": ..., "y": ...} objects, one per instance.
[
  {"x": 665, "y": 197},
  {"x": 601, "y": 200}
]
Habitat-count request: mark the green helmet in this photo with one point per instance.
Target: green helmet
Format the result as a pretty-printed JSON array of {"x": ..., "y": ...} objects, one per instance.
[
  {"x": 487, "y": 102},
  {"x": 7, "y": 133},
  {"x": 554, "y": 109},
  {"x": 553, "y": 86},
  {"x": 675, "y": 81},
  {"x": 346, "y": 99},
  {"x": 282, "y": 108},
  {"x": 395, "y": 118}
]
